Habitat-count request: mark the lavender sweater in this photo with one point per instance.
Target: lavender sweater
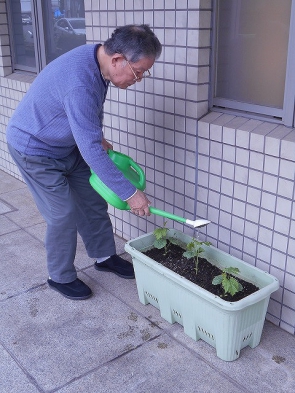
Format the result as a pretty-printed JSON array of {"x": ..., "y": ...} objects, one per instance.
[{"x": 63, "y": 109}]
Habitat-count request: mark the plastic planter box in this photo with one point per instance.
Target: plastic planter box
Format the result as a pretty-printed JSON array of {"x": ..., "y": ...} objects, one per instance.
[{"x": 229, "y": 327}]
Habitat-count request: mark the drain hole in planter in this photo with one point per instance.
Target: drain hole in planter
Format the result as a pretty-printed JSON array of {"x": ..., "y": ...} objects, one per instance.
[
  {"x": 177, "y": 313},
  {"x": 247, "y": 337},
  {"x": 206, "y": 333},
  {"x": 152, "y": 296}
]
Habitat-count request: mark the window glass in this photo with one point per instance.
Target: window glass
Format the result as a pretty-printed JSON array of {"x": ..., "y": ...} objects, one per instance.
[
  {"x": 23, "y": 39},
  {"x": 42, "y": 31},
  {"x": 68, "y": 25},
  {"x": 252, "y": 47}
]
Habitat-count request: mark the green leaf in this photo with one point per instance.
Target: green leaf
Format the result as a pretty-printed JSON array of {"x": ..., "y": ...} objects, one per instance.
[
  {"x": 232, "y": 270},
  {"x": 160, "y": 243},
  {"x": 226, "y": 285},
  {"x": 188, "y": 254},
  {"x": 231, "y": 286},
  {"x": 217, "y": 280},
  {"x": 190, "y": 246},
  {"x": 160, "y": 233}
]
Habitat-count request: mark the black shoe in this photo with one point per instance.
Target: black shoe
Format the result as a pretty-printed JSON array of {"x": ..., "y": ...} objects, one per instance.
[
  {"x": 117, "y": 265},
  {"x": 75, "y": 290}
]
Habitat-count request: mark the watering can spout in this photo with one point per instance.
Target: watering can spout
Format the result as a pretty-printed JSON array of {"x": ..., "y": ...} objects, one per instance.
[
  {"x": 198, "y": 223},
  {"x": 195, "y": 223}
]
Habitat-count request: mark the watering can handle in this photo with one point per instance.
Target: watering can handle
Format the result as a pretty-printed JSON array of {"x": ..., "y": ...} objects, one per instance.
[
  {"x": 129, "y": 168},
  {"x": 141, "y": 174}
]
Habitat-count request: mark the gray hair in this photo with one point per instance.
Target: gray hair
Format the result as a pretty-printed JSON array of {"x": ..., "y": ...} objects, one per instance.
[{"x": 134, "y": 42}]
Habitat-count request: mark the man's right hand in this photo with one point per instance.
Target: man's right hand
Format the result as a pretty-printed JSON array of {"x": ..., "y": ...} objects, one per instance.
[{"x": 139, "y": 204}]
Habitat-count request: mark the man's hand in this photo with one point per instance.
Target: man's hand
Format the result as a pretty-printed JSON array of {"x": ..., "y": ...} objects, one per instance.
[
  {"x": 106, "y": 145},
  {"x": 139, "y": 204}
]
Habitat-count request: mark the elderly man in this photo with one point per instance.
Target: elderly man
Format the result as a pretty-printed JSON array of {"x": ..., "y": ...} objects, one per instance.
[{"x": 55, "y": 136}]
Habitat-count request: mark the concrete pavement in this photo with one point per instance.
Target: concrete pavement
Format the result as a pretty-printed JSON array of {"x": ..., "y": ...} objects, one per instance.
[{"x": 111, "y": 342}]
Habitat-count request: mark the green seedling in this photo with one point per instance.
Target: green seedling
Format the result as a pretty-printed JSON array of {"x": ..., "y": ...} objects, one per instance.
[
  {"x": 162, "y": 240},
  {"x": 161, "y": 237},
  {"x": 228, "y": 282},
  {"x": 193, "y": 250}
]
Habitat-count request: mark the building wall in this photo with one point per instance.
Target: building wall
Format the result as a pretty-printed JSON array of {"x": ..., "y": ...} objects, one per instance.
[
  {"x": 244, "y": 176},
  {"x": 155, "y": 121},
  {"x": 12, "y": 89},
  {"x": 246, "y": 188}
]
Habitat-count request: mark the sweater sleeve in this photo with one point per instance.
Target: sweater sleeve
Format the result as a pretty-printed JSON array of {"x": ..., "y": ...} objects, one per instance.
[{"x": 84, "y": 111}]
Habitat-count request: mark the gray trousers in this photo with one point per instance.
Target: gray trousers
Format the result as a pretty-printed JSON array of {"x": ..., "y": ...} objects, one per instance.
[{"x": 68, "y": 203}]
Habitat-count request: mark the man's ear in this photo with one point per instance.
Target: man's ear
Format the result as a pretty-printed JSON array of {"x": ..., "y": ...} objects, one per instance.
[{"x": 116, "y": 59}]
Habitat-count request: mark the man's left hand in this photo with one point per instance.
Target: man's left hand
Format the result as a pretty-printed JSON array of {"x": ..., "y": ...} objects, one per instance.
[{"x": 106, "y": 145}]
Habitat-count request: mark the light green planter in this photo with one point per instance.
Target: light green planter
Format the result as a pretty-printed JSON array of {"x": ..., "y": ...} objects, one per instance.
[{"x": 229, "y": 327}]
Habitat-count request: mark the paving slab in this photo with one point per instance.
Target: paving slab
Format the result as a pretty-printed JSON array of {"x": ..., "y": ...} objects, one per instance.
[
  {"x": 5, "y": 207},
  {"x": 158, "y": 366},
  {"x": 38, "y": 231},
  {"x": 26, "y": 213},
  {"x": 22, "y": 263},
  {"x": 7, "y": 226},
  {"x": 12, "y": 378},
  {"x": 56, "y": 340},
  {"x": 267, "y": 368},
  {"x": 126, "y": 292},
  {"x": 9, "y": 183}
]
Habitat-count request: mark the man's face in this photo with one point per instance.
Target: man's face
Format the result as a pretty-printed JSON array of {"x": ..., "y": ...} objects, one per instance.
[{"x": 125, "y": 74}]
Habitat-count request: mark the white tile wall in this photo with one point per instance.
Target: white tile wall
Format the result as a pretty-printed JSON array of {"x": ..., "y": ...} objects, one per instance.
[
  {"x": 172, "y": 105},
  {"x": 257, "y": 191}
]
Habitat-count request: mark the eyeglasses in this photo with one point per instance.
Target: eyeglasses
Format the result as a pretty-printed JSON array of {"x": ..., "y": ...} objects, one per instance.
[{"x": 145, "y": 74}]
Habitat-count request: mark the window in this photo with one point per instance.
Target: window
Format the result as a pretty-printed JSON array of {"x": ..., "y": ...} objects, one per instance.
[
  {"x": 254, "y": 64},
  {"x": 42, "y": 31}
]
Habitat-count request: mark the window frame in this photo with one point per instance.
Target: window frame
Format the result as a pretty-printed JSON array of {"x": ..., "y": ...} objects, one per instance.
[
  {"x": 40, "y": 14},
  {"x": 284, "y": 115},
  {"x": 39, "y": 38}
]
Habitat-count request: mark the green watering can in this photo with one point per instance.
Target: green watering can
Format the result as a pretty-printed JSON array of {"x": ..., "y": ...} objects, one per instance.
[{"x": 134, "y": 173}]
